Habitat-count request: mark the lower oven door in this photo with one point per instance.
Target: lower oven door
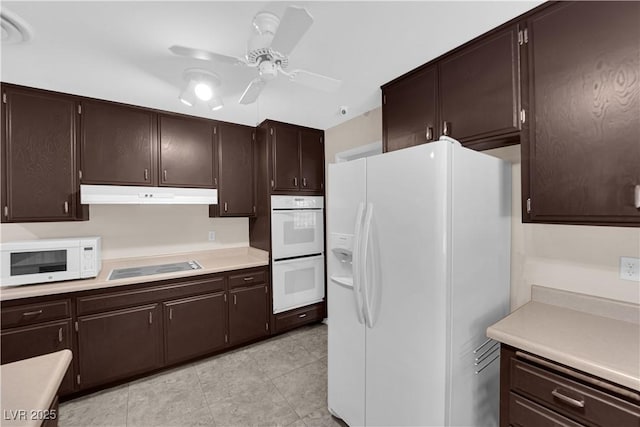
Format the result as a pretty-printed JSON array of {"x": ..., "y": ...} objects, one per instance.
[{"x": 297, "y": 282}]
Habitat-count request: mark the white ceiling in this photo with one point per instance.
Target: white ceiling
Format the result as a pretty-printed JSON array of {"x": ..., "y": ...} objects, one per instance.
[{"x": 119, "y": 51}]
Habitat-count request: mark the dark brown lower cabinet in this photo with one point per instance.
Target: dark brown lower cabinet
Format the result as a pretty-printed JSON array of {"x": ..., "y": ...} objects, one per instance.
[
  {"x": 36, "y": 340},
  {"x": 538, "y": 392},
  {"x": 194, "y": 326},
  {"x": 119, "y": 344},
  {"x": 248, "y": 313}
]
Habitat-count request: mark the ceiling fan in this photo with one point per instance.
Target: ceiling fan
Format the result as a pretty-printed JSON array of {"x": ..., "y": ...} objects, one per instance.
[{"x": 272, "y": 40}]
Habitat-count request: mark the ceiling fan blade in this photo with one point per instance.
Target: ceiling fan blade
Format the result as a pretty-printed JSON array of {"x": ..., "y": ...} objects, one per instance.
[
  {"x": 205, "y": 55},
  {"x": 294, "y": 23},
  {"x": 252, "y": 91},
  {"x": 316, "y": 81}
]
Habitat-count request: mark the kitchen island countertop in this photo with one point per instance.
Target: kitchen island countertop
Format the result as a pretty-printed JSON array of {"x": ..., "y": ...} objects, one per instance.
[
  {"x": 29, "y": 387},
  {"x": 594, "y": 335},
  {"x": 213, "y": 261}
]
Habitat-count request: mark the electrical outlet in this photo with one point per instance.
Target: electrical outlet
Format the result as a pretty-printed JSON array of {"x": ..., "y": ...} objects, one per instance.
[
  {"x": 212, "y": 236},
  {"x": 630, "y": 268}
]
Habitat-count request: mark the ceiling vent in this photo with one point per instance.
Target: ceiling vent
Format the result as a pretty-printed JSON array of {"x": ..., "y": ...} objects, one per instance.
[{"x": 14, "y": 29}]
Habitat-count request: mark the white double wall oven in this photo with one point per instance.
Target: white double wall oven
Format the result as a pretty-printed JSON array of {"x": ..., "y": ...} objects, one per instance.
[{"x": 297, "y": 251}]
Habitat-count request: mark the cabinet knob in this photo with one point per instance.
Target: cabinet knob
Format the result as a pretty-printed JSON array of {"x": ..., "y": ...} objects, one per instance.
[
  {"x": 304, "y": 182},
  {"x": 60, "y": 335},
  {"x": 295, "y": 181},
  {"x": 446, "y": 128},
  {"x": 66, "y": 207},
  {"x": 171, "y": 314},
  {"x": 146, "y": 174},
  {"x": 164, "y": 175},
  {"x": 226, "y": 206},
  {"x": 151, "y": 317},
  {"x": 235, "y": 301},
  {"x": 429, "y": 133}
]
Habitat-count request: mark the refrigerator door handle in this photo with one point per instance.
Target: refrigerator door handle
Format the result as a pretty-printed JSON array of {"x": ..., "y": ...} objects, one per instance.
[
  {"x": 365, "y": 265},
  {"x": 357, "y": 262}
]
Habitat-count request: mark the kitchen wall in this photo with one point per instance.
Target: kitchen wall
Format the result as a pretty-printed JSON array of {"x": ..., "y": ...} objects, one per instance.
[
  {"x": 142, "y": 230},
  {"x": 570, "y": 257}
]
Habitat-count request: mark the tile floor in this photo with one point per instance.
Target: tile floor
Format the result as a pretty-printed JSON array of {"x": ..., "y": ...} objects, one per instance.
[{"x": 278, "y": 382}]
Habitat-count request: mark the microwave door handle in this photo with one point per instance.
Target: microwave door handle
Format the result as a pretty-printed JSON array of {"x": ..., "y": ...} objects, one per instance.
[{"x": 357, "y": 261}]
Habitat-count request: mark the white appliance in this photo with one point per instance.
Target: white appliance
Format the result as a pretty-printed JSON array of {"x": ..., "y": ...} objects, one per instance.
[
  {"x": 418, "y": 267},
  {"x": 297, "y": 251},
  {"x": 125, "y": 194},
  {"x": 49, "y": 260}
]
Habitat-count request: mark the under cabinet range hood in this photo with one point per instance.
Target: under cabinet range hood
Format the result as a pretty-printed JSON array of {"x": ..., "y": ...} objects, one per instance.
[{"x": 130, "y": 195}]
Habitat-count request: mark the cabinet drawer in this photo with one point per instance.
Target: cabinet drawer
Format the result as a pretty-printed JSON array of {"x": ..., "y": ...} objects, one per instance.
[
  {"x": 298, "y": 317},
  {"x": 571, "y": 398},
  {"x": 525, "y": 413},
  {"x": 247, "y": 278},
  {"x": 35, "y": 313},
  {"x": 132, "y": 297}
]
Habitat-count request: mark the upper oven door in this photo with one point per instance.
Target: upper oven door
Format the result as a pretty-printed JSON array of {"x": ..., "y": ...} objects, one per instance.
[{"x": 296, "y": 233}]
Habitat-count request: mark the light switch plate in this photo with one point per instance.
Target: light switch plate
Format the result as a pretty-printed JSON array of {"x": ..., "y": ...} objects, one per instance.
[{"x": 630, "y": 269}]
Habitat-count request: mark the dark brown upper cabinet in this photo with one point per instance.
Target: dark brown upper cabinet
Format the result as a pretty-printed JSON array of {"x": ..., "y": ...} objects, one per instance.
[
  {"x": 39, "y": 156},
  {"x": 409, "y": 110},
  {"x": 119, "y": 144},
  {"x": 186, "y": 152},
  {"x": 297, "y": 155},
  {"x": 581, "y": 150},
  {"x": 311, "y": 161},
  {"x": 236, "y": 187},
  {"x": 471, "y": 94},
  {"x": 480, "y": 91}
]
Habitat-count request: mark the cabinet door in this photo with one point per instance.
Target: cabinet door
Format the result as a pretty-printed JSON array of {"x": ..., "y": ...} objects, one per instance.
[
  {"x": 235, "y": 165},
  {"x": 194, "y": 326},
  {"x": 311, "y": 161},
  {"x": 583, "y": 151},
  {"x": 480, "y": 91},
  {"x": 36, "y": 340},
  {"x": 409, "y": 110},
  {"x": 247, "y": 314},
  {"x": 39, "y": 151},
  {"x": 286, "y": 159},
  {"x": 119, "y": 344},
  {"x": 118, "y": 144},
  {"x": 186, "y": 152}
]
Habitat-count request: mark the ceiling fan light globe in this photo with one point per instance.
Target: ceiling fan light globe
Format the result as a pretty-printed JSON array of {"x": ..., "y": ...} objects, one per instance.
[
  {"x": 203, "y": 91},
  {"x": 268, "y": 70}
]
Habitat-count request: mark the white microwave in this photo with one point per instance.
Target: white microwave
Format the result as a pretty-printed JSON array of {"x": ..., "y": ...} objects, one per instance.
[{"x": 49, "y": 260}]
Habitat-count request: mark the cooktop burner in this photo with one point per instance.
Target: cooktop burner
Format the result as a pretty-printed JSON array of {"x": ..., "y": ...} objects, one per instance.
[{"x": 149, "y": 270}]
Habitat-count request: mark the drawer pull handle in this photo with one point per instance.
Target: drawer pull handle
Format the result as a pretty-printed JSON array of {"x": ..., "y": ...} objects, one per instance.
[
  {"x": 60, "y": 335},
  {"x": 302, "y": 316},
  {"x": 150, "y": 318},
  {"x": 171, "y": 314},
  {"x": 568, "y": 400},
  {"x": 246, "y": 279},
  {"x": 32, "y": 313}
]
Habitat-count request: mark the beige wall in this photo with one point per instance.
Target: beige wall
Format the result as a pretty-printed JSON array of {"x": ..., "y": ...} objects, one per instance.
[
  {"x": 571, "y": 257},
  {"x": 142, "y": 230}
]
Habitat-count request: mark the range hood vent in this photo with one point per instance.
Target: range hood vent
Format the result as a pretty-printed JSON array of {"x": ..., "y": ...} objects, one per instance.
[{"x": 129, "y": 195}]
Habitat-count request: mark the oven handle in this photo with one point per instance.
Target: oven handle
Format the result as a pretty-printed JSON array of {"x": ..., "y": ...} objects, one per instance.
[
  {"x": 292, "y": 260},
  {"x": 284, "y": 210}
]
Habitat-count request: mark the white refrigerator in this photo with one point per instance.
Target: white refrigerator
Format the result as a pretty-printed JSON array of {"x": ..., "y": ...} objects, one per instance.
[{"x": 418, "y": 268}]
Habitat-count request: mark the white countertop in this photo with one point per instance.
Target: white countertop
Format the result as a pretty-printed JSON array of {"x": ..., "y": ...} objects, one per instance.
[
  {"x": 593, "y": 335},
  {"x": 29, "y": 387},
  {"x": 211, "y": 261}
]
